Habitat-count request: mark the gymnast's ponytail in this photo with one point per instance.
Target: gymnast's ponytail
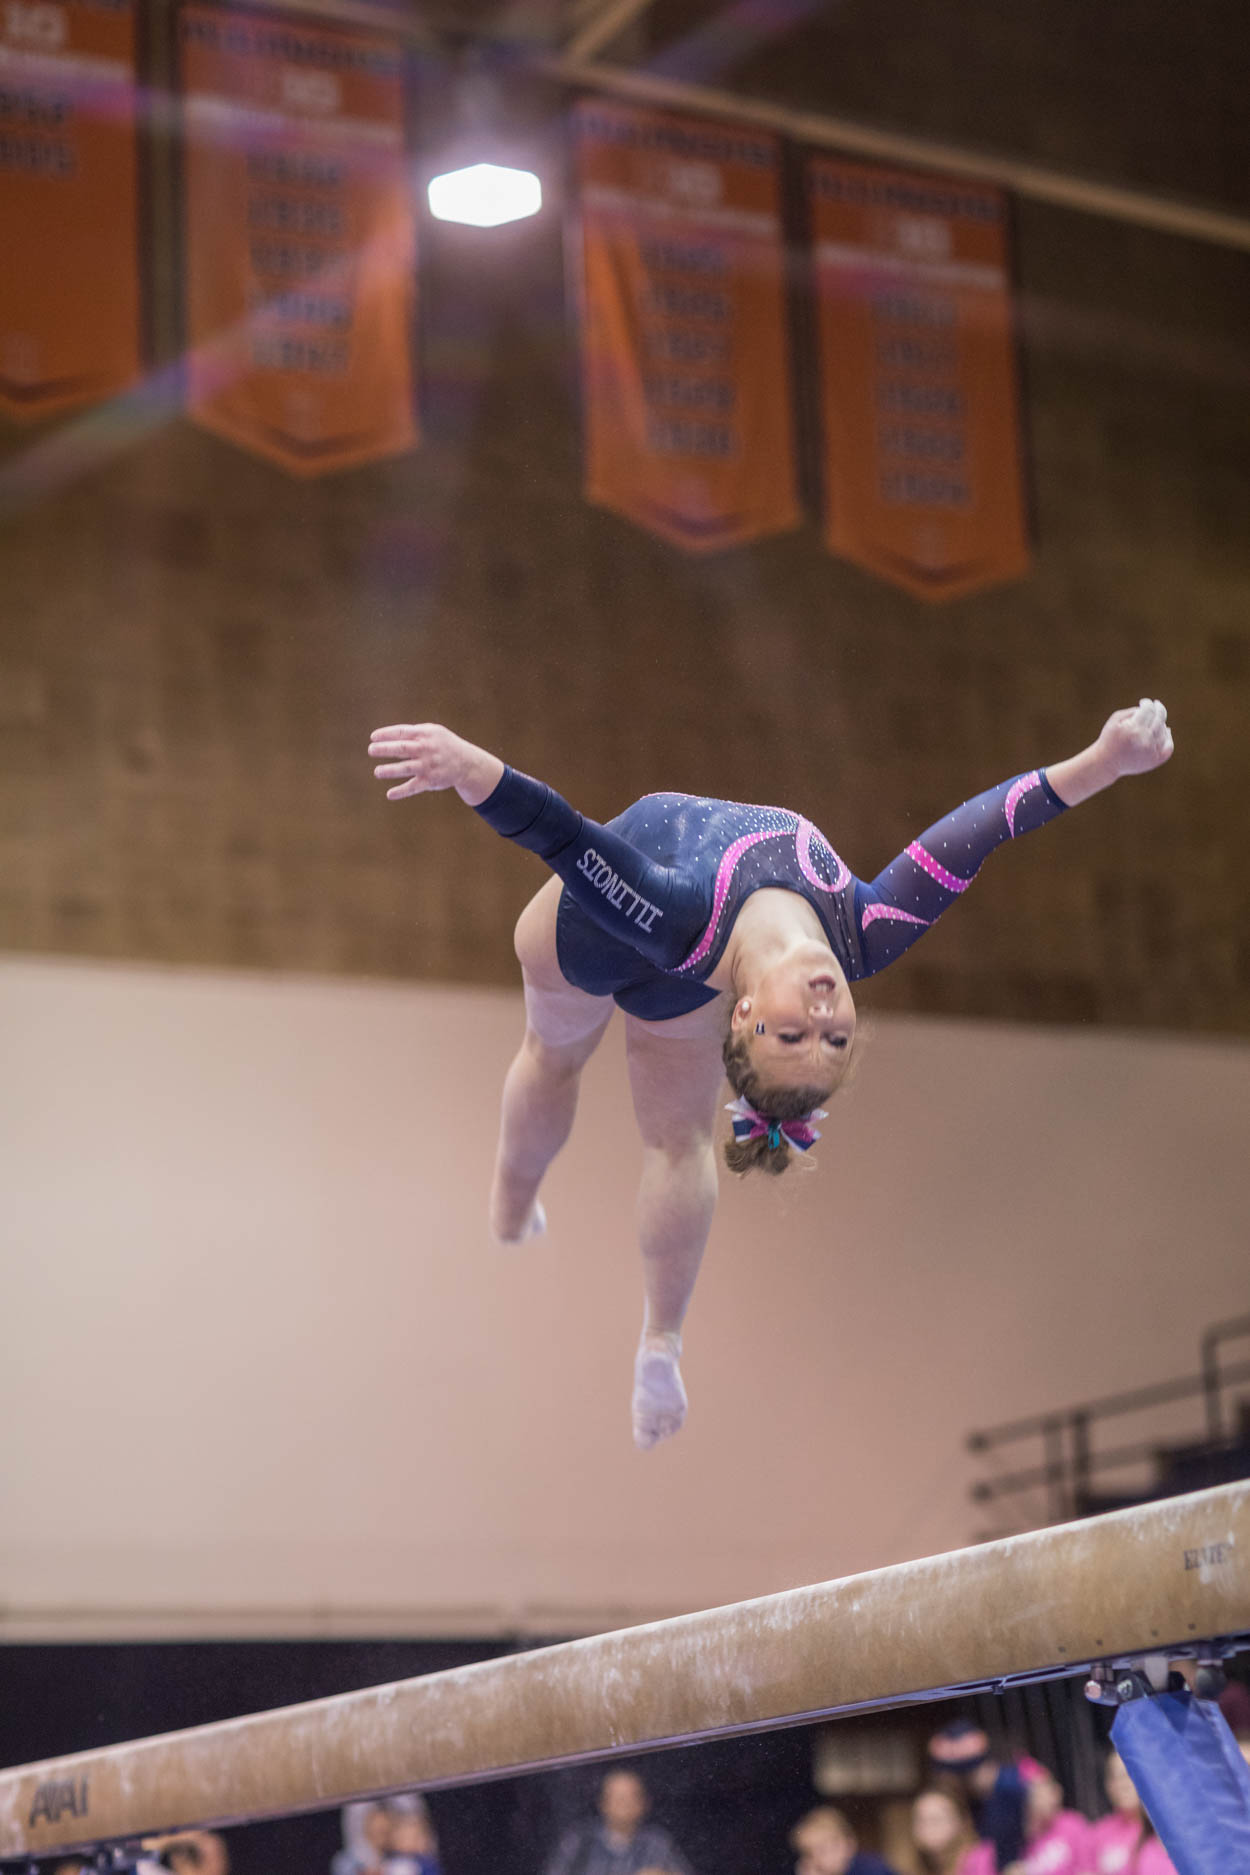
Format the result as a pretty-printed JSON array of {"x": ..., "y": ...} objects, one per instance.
[{"x": 768, "y": 1152}]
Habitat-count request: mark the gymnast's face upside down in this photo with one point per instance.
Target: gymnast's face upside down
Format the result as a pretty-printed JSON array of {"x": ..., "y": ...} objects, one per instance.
[
  {"x": 798, "y": 1023},
  {"x": 792, "y": 1031},
  {"x": 787, "y": 1049}
]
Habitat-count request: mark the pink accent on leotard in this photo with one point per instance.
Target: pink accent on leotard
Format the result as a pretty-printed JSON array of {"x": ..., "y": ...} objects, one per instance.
[
  {"x": 1015, "y": 794},
  {"x": 724, "y": 873},
  {"x": 802, "y": 846},
  {"x": 935, "y": 869},
  {"x": 872, "y": 912}
]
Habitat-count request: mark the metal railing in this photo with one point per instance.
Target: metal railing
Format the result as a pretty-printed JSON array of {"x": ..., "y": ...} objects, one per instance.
[
  {"x": 1213, "y": 1378},
  {"x": 1070, "y": 1463}
]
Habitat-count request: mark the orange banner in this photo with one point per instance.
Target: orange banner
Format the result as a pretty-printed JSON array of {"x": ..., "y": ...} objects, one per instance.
[
  {"x": 69, "y": 275},
  {"x": 689, "y": 428},
  {"x": 923, "y": 477},
  {"x": 300, "y": 248}
]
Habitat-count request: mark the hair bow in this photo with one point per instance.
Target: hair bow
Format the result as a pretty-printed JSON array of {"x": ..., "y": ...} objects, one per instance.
[{"x": 748, "y": 1123}]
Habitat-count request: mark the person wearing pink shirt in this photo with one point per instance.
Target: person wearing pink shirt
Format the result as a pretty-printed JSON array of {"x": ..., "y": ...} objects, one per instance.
[
  {"x": 1125, "y": 1843},
  {"x": 944, "y": 1839},
  {"x": 1057, "y": 1841}
]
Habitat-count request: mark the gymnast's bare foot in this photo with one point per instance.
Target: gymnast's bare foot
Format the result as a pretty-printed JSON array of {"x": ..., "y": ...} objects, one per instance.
[
  {"x": 659, "y": 1403},
  {"x": 515, "y": 1212}
]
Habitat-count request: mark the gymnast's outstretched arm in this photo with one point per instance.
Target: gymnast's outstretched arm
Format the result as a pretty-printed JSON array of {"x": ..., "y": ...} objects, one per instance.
[
  {"x": 657, "y": 910},
  {"x": 901, "y": 903}
]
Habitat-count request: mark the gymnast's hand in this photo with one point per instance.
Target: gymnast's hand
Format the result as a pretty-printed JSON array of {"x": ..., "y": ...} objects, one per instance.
[
  {"x": 1133, "y": 741},
  {"x": 423, "y": 758}
]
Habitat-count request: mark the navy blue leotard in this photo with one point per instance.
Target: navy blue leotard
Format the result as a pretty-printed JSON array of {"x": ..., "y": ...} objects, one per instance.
[{"x": 649, "y": 899}]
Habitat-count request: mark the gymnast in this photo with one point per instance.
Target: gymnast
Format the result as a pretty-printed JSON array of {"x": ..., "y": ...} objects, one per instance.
[{"x": 682, "y": 908}]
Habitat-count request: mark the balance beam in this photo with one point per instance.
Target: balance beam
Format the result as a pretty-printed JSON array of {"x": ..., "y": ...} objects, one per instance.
[{"x": 1163, "y": 1577}]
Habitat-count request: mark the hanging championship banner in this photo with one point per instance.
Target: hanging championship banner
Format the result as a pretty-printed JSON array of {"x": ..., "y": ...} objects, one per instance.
[
  {"x": 923, "y": 478},
  {"x": 69, "y": 270},
  {"x": 685, "y": 354},
  {"x": 300, "y": 249}
]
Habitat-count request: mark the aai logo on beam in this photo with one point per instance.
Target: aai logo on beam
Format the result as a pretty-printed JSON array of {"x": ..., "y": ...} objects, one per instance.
[{"x": 56, "y": 1798}]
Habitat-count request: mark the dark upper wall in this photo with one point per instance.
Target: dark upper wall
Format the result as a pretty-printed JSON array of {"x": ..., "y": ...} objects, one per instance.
[
  {"x": 194, "y": 648},
  {"x": 1147, "y": 94}
]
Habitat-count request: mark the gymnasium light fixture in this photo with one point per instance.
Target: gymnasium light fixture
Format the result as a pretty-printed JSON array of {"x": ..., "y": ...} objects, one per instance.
[{"x": 485, "y": 195}]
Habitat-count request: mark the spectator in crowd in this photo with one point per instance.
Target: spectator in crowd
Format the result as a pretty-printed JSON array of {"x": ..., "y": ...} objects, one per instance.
[
  {"x": 413, "y": 1850},
  {"x": 188, "y": 1852},
  {"x": 620, "y": 1841},
  {"x": 392, "y": 1838},
  {"x": 1125, "y": 1843},
  {"x": 366, "y": 1840},
  {"x": 944, "y": 1837},
  {"x": 1057, "y": 1841},
  {"x": 825, "y": 1844},
  {"x": 1235, "y": 1705},
  {"x": 959, "y": 1755}
]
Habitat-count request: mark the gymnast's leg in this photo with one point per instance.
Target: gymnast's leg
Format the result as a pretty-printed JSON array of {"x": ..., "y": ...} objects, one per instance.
[
  {"x": 676, "y": 1081},
  {"x": 563, "y": 1028}
]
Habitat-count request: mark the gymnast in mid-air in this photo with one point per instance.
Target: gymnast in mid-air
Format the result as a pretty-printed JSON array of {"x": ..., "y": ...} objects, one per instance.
[{"x": 730, "y": 935}]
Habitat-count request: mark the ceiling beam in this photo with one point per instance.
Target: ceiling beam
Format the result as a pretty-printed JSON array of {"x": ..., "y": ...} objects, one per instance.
[
  {"x": 1139, "y": 208},
  {"x": 406, "y": 26},
  {"x": 606, "y": 23}
]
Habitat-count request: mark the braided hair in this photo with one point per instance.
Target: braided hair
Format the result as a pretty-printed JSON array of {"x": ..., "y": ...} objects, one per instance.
[{"x": 779, "y": 1103}]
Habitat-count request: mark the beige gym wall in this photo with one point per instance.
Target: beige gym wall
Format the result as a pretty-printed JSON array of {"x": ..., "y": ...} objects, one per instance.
[{"x": 263, "y": 1371}]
